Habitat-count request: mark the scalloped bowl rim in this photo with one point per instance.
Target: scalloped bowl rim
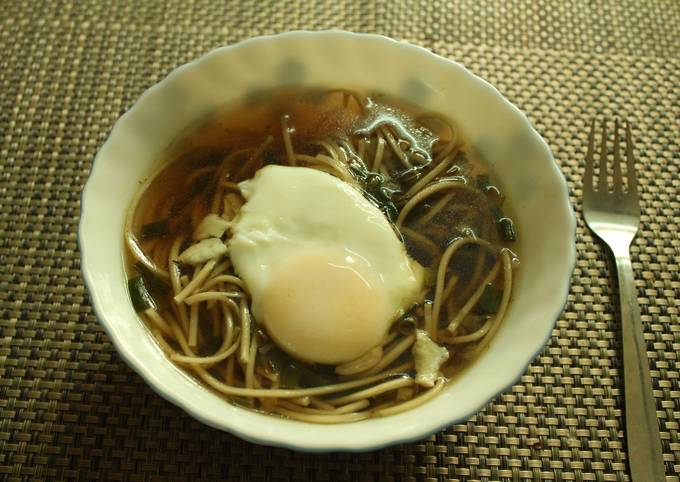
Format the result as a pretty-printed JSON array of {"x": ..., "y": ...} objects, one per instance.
[{"x": 358, "y": 436}]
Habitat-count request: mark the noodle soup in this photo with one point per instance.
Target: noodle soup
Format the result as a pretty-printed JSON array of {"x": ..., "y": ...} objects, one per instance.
[{"x": 326, "y": 256}]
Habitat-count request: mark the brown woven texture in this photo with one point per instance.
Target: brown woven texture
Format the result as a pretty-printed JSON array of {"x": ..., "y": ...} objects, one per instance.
[{"x": 70, "y": 409}]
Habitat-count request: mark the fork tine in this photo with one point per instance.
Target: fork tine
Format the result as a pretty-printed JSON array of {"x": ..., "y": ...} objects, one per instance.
[
  {"x": 618, "y": 183},
  {"x": 630, "y": 161},
  {"x": 588, "y": 174},
  {"x": 602, "y": 181}
]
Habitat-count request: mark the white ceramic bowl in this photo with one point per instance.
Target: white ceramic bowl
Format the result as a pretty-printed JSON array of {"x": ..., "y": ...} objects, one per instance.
[{"x": 498, "y": 130}]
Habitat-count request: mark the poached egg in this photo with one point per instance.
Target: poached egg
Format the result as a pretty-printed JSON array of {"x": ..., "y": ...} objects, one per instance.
[{"x": 325, "y": 270}]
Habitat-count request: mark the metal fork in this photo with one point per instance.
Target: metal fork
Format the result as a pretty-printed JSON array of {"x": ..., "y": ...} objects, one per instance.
[{"x": 614, "y": 217}]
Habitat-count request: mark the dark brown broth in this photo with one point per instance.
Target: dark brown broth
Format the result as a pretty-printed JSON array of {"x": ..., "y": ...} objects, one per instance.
[
  {"x": 234, "y": 129},
  {"x": 183, "y": 191}
]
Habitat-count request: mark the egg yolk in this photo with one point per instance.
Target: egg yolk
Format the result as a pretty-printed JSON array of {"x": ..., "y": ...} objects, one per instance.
[{"x": 325, "y": 307}]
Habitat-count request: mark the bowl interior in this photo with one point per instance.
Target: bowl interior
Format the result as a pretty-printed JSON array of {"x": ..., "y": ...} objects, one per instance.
[{"x": 496, "y": 129}]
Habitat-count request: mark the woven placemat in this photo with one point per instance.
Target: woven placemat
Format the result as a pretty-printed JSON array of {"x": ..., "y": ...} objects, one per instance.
[{"x": 70, "y": 409}]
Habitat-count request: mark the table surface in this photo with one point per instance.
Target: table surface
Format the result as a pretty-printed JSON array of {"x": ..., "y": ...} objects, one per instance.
[{"x": 70, "y": 409}]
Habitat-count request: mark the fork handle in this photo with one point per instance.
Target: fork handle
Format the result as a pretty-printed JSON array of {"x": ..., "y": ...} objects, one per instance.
[{"x": 645, "y": 455}]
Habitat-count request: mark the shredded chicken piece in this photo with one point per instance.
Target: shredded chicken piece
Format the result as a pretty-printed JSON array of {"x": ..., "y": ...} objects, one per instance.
[
  {"x": 212, "y": 226},
  {"x": 203, "y": 251},
  {"x": 429, "y": 357}
]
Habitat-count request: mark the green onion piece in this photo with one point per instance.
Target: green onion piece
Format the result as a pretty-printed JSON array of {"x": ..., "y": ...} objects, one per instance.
[
  {"x": 295, "y": 374},
  {"x": 490, "y": 300},
  {"x": 141, "y": 298},
  {"x": 497, "y": 213},
  {"x": 156, "y": 229},
  {"x": 282, "y": 364},
  {"x": 483, "y": 182},
  {"x": 507, "y": 229},
  {"x": 156, "y": 284}
]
